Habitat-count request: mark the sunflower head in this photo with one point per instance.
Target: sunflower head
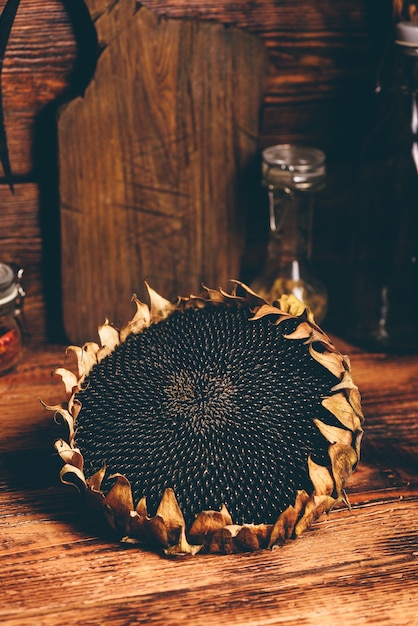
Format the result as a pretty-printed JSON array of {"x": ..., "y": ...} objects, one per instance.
[{"x": 219, "y": 422}]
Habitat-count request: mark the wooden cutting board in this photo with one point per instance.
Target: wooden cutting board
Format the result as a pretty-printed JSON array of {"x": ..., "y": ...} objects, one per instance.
[{"x": 156, "y": 161}]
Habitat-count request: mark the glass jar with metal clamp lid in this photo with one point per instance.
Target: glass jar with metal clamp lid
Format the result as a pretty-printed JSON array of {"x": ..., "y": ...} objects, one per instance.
[
  {"x": 292, "y": 175},
  {"x": 11, "y": 300}
]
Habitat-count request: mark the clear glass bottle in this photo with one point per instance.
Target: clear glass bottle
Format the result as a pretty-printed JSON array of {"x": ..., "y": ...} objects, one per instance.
[
  {"x": 10, "y": 333},
  {"x": 384, "y": 292},
  {"x": 292, "y": 175}
]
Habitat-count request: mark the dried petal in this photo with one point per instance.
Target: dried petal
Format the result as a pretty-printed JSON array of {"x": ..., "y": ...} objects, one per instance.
[
  {"x": 170, "y": 511},
  {"x": 246, "y": 540},
  {"x": 285, "y": 525},
  {"x": 183, "y": 546},
  {"x": 253, "y": 298},
  {"x": 69, "y": 379},
  {"x": 338, "y": 405},
  {"x": 95, "y": 481},
  {"x": 109, "y": 336},
  {"x": 118, "y": 503},
  {"x": 343, "y": 460},
  {"x": 268, "y": 309},
  {"x": 333, "y": 434},
  {"x": 160, "y": 307},
  {"x": 69, "y": 473},
  {"x": 288, "y": 303},
  {"x": 321, "y": 478},
  {"x": 86, "y": 357},
  {"x": 346, "y": 383},
  {"x": 141, "y": 507},
  {"x": 141, "y": 319},
  {"x": 68, "y": 454},
  {"x": 319, "y": 337},
  {"x": 222, "y": 539},
  {"x": 68, "y": 418},
  {"x": 214, "y": 294},
  {"x": 147, "y": 530},
  {"x": 207, "y": 522},
  {"x": 332, "y": 361},
  {"x": 303, "y": 331},
  {"x": 283, "y": 528},
  {"x": 315, "y": 507}
]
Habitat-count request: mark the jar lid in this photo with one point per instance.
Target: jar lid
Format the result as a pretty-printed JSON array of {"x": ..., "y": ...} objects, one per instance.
[
  {"x": 406, "y": 35},
  {"x": 301, "y": 167},
  {"x": 8, "y": 287}
]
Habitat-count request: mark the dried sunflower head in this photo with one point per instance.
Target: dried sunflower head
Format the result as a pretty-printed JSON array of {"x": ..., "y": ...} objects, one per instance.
[{"x": 220, "y": 422}]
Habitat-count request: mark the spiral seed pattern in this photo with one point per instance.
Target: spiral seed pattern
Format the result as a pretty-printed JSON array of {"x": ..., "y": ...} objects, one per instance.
[{"x": 213, "y": 405}]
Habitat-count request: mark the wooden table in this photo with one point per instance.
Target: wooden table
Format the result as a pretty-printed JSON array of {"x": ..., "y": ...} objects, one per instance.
[{"x": 355, "y": 567}]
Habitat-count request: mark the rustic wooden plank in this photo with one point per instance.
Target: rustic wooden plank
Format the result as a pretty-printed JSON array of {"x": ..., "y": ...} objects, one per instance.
[
  {"x": 266, "y": 17},
  {"x": 320, "y": 67},
  {"x": 59, "y": 566},
  {"x": 350, "y": 565},
  {"x": 36, "y": 70},
  {"x": 156, "y": 161}
]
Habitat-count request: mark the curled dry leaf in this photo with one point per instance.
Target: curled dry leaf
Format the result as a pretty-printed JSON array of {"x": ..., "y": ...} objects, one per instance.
[{"x": 321, "y": 478}]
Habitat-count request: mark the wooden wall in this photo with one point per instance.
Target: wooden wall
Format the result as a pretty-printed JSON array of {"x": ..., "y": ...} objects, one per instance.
[{"x": 322, "y": 56}]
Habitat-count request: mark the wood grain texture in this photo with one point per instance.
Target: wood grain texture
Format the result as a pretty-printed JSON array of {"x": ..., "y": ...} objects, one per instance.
[
  {"x": 36, "y": 70},
  {"x": 359, "y": 566},
  {"x": 321, "y": 60},
  {"x": 156, "y": 164}
]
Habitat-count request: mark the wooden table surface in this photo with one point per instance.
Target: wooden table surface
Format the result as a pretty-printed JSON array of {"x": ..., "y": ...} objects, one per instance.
[{"x": 357, "y": 567}]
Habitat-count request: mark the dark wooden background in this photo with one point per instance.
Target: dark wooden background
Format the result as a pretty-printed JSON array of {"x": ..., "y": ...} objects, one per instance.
[{"x": 319, "y": 90}]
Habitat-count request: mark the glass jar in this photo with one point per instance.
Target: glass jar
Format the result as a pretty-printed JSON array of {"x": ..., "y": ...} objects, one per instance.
[
  {"x": 384, "y": 292},
  {"x": 292, "y": 175},
  {"x": 10, "y": 334}
]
